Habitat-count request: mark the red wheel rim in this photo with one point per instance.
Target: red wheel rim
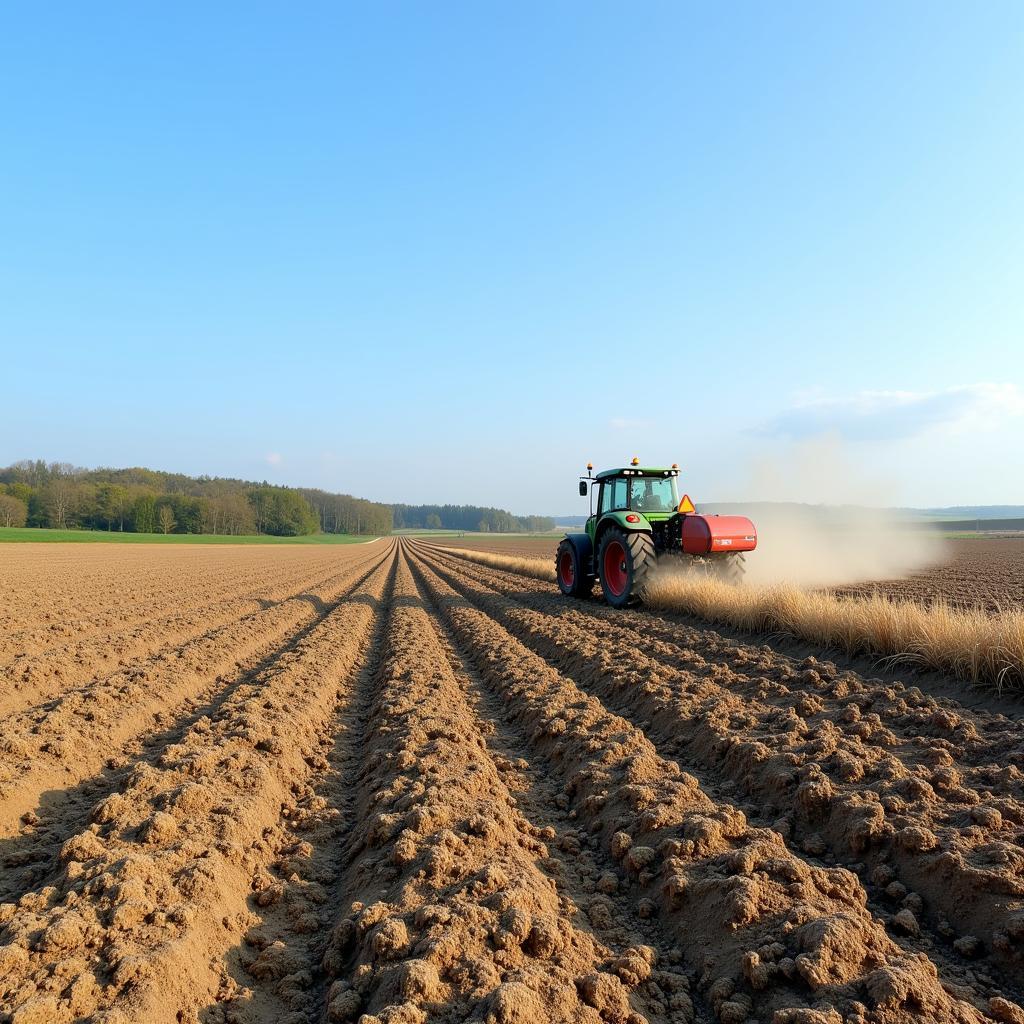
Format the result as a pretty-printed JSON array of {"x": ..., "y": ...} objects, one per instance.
[
  {"x": 616, "y": 579},
  {"x": 566, "y": 570}
]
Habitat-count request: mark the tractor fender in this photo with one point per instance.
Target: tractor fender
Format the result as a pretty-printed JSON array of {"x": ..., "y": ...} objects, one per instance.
[
  {"x": 618, "y": 518},
  {"x": 584, "y": 550}
]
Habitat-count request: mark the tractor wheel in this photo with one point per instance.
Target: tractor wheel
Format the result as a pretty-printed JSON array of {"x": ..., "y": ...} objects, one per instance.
[
  {"x": 732, "y": 569},
  {"x": 573, "y": 581},
  {"x": 625, "y": 562}
]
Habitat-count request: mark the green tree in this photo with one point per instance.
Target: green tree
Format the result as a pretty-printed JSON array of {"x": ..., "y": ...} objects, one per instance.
[
  {"x": 144, "y": 514},
  {"x": 112, "y": 504},
  {"x": 187, "y": 512},
  {"x": 23, "y": 492},
  {"x": 433, "y": 521},
  {"x": 282, "y": 512},
  {"x": 120, "y": 503}
]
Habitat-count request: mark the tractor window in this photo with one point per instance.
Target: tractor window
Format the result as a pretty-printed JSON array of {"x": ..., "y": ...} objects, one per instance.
[
  {"x": 613, "y": 495},
  {"x": 653, "y": 494}
]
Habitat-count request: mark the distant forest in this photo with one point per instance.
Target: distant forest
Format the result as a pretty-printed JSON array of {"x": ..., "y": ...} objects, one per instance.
[
  {"x": 467, "y": 517},
  {"x": 61, "y": 496}
]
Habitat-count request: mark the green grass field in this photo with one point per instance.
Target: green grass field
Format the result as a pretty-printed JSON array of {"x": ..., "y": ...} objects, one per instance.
[{"x": 25, "y": 535}]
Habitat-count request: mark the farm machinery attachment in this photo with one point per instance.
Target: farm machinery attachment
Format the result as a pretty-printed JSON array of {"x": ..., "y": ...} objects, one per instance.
[{"x": 641, "y": 521}]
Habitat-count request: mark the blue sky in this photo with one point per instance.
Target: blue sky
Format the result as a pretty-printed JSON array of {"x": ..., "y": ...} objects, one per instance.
[{"x": 449, "y": 252}]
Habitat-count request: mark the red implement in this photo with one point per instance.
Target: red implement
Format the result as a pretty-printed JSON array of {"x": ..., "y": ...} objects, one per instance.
[{"x": 705, "y": 535}]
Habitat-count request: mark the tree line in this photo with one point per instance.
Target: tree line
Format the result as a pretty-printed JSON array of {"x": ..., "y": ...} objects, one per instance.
[
  {"x": 467, "y": 517},
  {"x": 61, "y": 496},
  {"x": 339, "y": 513}
]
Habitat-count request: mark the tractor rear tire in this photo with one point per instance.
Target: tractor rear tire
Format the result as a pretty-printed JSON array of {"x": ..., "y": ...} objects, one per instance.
[
  {"x": 573, "y": 580},
  {"x": 625, "y": 562},
  {"x": 732, "y": 569}
]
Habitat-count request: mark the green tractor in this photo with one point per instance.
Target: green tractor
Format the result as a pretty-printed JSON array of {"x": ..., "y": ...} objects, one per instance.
[{"x": 640, "y": 520}]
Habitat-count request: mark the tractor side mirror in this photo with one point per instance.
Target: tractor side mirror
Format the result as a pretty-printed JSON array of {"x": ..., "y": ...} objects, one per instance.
[{"x": 583, "y": 488}]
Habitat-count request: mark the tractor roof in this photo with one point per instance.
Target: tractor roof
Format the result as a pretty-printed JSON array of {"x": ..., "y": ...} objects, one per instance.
[{"x": 636, "y": 471}]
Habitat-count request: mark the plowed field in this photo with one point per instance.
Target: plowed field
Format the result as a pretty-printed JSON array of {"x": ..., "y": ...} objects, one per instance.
[
  {"x": 980, "y": 573},
  {"x": 383, "y": 783},
  {"x": 525, "y": 547}
]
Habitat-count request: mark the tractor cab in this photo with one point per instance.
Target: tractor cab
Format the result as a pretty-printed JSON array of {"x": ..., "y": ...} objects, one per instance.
[
  {"x": 652, "y": 493},
  {"x": 639, "y": 519}
]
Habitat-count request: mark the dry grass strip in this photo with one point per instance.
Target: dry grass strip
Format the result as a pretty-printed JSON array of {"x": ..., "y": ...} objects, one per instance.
[{"x": 970, "y": 644}]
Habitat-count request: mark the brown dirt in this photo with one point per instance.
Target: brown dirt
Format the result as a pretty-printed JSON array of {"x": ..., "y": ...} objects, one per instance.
[
  {"x": 385, "y": 784},
  {"x": 525, "y": 547},
  {"x": 981, "y": 572}
]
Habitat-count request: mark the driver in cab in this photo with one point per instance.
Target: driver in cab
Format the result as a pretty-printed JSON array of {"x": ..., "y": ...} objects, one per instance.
[{"x": 648, "y": 499}]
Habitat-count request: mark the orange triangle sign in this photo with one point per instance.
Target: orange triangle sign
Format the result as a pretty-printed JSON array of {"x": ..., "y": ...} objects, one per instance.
[{"x": 686, "y": 505}]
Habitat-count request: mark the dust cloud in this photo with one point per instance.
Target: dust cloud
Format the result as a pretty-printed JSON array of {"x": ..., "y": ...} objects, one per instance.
[
  {"x": 824, "y": 520},
  {"x": 822, "y": 546}
]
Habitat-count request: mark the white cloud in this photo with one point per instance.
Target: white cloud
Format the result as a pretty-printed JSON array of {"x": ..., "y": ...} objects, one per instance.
[
  {"x": 274, "y": 458},
  {"x": 898, "y": 415}
]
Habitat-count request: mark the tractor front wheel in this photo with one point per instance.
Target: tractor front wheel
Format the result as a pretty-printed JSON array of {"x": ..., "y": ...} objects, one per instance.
[
  {"x": 625, "y": 561},
  {"x": 573, "y": 580}
]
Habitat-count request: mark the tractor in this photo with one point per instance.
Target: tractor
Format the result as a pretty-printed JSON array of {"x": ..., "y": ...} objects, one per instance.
[{"x": 641, "y": 520}]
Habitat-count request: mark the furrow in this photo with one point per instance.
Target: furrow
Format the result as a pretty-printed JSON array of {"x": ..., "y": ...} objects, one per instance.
[
  {"x": 153, "y": 893},
  {"x": 986, "y": 746},
  {"x": 978, "y": 735},
  {"x": 705, "y": 724},
  {"x": 768, "y": 933},
  {"x": 276, "y": 971},
  {"x": 938, "y": 854},
  {"x": 117, "y": 610},
  {"x": 67, "y": 742},
  {"x": 29, "y": 858},
  {"x": 59, "y": 668},
  {"x": 450, "y": 911},
  {"x": 102, "y": 581},
  {"x": 616, "y": 908},
  {"x": 59, "y": 599}
]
